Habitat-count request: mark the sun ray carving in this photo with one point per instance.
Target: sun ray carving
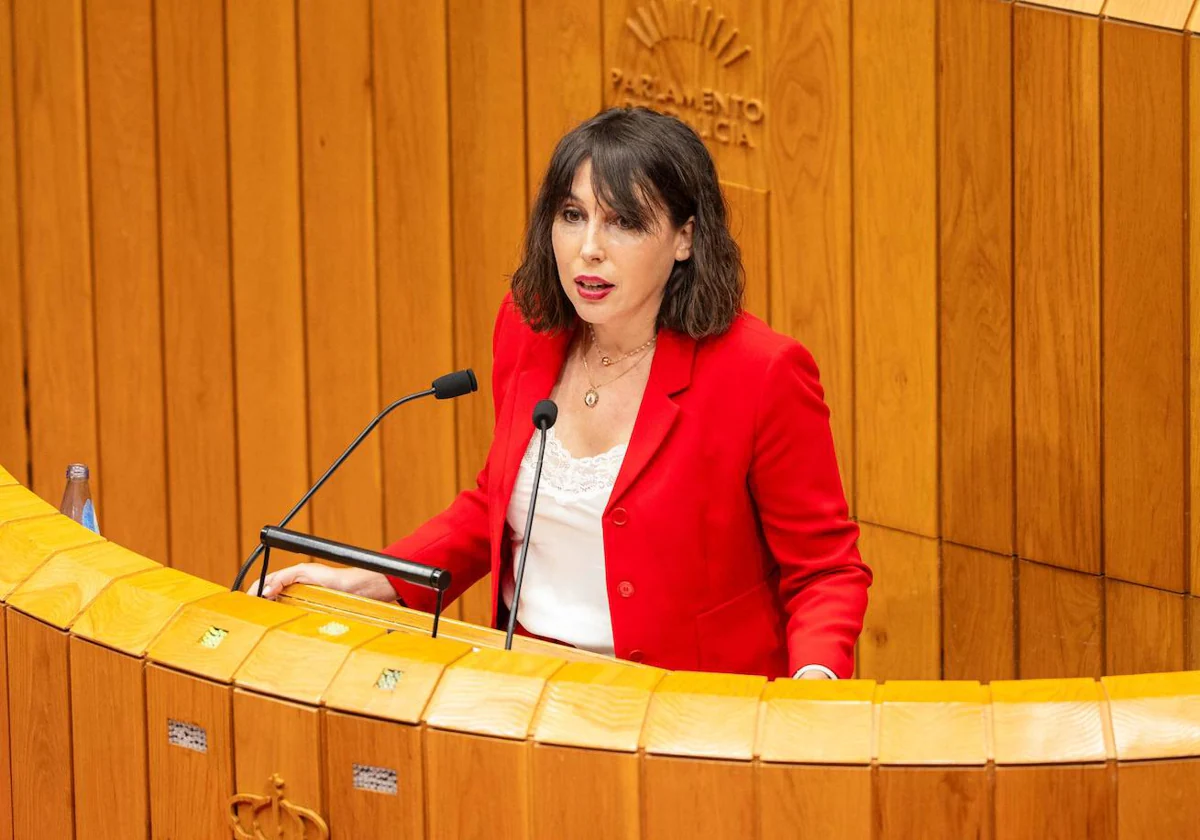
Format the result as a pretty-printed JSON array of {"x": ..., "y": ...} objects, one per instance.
[{"x": 685, "y": 20}]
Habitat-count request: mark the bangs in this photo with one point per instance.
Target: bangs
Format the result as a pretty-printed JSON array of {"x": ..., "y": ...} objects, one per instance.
[{"x": 620, "y": 179}]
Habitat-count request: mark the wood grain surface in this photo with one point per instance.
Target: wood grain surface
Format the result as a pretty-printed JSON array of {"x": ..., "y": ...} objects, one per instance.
[
  {"x": 827, "y": 802},
  {"x": 273, "y": 736},
  {"x": 1062, "y": 623},
  {"x": 1055, "y": 802},
  {"x": 14, "y": 442},
  {"x": 1144, "y": 629},
  {"x": 902, "y": 627},
  {"x": 978, "y": 614},
  {"x": 688, "y": 798},
  {"x": 498, "y": 769},
  {"x": 352, "y": 741},
  {"x": 585, "y": 793},
  {"x": 933, "y": 803}
]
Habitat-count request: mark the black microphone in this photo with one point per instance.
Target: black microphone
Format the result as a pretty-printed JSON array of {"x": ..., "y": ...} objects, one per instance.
[
  {"x": 443, "y": 388},
  {"x": 544, "y": 415}
]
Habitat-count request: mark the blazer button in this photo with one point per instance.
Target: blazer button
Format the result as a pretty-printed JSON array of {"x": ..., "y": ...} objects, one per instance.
[
  {"x": 625, "y": 588},
  {"x": 636, "y": 656},
  {"x": 620, "y": 516}
]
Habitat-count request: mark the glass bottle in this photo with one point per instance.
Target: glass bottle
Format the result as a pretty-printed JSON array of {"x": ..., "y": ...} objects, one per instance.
[{"x": 77, "y": 498}]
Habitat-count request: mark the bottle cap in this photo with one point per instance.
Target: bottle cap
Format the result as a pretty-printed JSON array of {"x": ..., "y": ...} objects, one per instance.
[{"x": 78, "y": 471}]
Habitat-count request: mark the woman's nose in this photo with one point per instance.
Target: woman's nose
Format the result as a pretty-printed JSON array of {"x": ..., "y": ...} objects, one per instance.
[{"x": 593, "y": 247}]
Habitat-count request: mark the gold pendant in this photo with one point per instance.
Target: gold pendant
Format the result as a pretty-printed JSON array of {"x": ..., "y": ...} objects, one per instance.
[
  {"x": 604, "y": 360},
  {"x": 590, "y": 398}
]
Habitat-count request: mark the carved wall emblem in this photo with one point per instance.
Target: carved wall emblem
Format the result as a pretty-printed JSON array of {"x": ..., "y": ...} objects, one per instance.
[{"x": 272, "y": 817}]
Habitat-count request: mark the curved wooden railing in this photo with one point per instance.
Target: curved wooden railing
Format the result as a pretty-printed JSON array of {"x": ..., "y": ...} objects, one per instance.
[{"x": 145, "y": 702}]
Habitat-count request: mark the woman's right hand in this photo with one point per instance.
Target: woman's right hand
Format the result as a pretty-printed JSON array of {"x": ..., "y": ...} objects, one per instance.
[{"x": 354, "y": 581}]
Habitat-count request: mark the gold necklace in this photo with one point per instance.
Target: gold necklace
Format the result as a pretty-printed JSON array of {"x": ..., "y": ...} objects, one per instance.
[
  {"x": 607, "y": 360},
  {"x": 592, "y": 396}
]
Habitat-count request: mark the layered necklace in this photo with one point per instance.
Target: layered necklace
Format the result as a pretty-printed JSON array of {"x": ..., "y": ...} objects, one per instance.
[{"x": 591, "y": 397}]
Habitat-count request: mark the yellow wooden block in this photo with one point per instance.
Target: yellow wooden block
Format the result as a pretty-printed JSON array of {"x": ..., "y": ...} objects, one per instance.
[
  {"x": 62, "y": 587},
  {"x": 18, "y": 503},
  {"x": 1167, "y": 14},
  {"x": 393, "y": 676},
  {"x": 929, "y": 722},
  {"x": 1155, "y": 715},
  {"x": 706, "y": 715},
  {"x": 1193, "y": 24},
  {"x": 213, "y": 637},
  {"x": 6, "y": 478},
  {"x": 1087, "y": 7},
  {"x": 133, "y": 610},
  {"x": 1048, "y": 722},
  {"x": 817, "y": 722},
  {"x": 491, "y": 692},
  {"x": 299, "y": 660},
  {"x": 599, "y": 706},
  {"x": 27, "y": 544}
]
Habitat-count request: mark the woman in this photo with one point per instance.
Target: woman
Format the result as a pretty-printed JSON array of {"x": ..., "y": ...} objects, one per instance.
[{"x": 690, "y": 513}]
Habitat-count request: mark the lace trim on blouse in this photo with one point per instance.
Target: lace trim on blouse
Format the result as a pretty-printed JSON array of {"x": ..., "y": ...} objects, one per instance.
[{"x": 570, "y": 479}]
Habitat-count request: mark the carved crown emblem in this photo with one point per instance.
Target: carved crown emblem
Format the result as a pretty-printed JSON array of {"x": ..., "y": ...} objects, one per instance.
[{"x": 272, "y": 817}]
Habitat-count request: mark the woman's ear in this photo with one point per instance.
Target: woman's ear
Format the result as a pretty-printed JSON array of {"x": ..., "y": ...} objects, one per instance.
[{"x": 683, "y": 239}]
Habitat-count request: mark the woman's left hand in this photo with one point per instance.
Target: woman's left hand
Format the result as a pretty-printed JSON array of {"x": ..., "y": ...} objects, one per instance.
[{"x": 813, "y": 674}]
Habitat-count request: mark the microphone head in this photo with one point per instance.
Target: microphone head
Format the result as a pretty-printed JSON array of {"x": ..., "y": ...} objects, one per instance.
[
  {"x": 455, "y": 384},
  {"x": 544, "y": 414}
]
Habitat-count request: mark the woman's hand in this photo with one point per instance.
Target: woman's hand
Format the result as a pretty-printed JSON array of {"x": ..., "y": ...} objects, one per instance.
[{"x": 355, "y": 581}]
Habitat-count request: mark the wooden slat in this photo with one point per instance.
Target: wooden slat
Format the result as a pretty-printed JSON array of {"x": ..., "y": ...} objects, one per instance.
[
  {"x": 268, "y": 301},
  {"x": 749, "y": 221},
  {"x": 932, "y": 723},
  {"x": 1169, "y": 14},
  {"x": 1144, "y": 345},
  {"x": 817, "y": 722},
  {"x": 55, "y": 243},
  {"x": 14, "y": 445},
  {"x": 412, "y": 184},
  {"x": 1157, "y": 799},
  {"x": 703, "y": 715},
  {"x": 585, "y": 793},
  {"x": 189, "y": 790},
  {"x": 495, "y": 769},
  {"x": 826, "y": 801},
  {"x": 1062, "y": 623},
  {"x": 109, "y": 748},
  {"x": 1067, "y": 801},
  {"x": 619, "y": 694},
  {"x": 39, "y": 716},
  {"x": 129, "y": 346},
  {"x": 932, "y": 803},
  {"x": 808, "y": 152},
  {"x": 1193, "y": 639},
  {"x": 274, "y": 736},
  {"x": 1193, "y": 25},
  {"x": 901, "y": 630},
  {"x": 1144, "y": 629},
  {"x": 1152, "y": 715},
  {"x": 198, "y": 350},
  {"x": 978, "y": 603},
  {"x": 489, "y": 692},
  {"x": 1049, "y": 722},
  {"x": 895, "y": 265},
  {"x": 339, "y": 263},
  {"x": 563, "y": 75},
  {"x": 688, "y": 798},
  {"x": 1087, "y": 7},
  {"x": 354, "y": 812},
  {"x": 1056, "y": 122},
  {"x": 6, "y": 811},
  {"x": 487, "y": 154},
  {"x": 1193, "y": 287},
  {"x": 975, "y": 265}
]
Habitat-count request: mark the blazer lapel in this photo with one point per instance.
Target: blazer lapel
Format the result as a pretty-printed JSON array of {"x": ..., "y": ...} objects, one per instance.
[{"x": 670, "y": 373}]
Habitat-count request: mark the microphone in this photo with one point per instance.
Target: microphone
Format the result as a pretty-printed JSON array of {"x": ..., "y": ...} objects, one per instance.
[
  {"x": 544, "y": 415},
  {"x": 443, "y": 388}
]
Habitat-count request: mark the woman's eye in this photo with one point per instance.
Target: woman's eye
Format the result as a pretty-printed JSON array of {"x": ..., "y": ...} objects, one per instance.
[
  {"x": 625, "y": 224},
  {"x": 571, "y": 215}
]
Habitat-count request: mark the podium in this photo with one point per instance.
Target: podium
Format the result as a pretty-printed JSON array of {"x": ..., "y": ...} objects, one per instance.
[{"x": 142, "y": 702}]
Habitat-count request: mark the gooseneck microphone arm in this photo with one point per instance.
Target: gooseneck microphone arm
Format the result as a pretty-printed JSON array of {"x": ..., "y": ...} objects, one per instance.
[
  {"x": 444, "y": 387},
  {"x": 544, "y": 415}
]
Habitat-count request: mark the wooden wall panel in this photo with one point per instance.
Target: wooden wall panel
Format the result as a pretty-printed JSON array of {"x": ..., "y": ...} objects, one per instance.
[
  {"x": 1144, "y": 629},
  {"x": 683, "y": 797},
  {"x": 808, "y": 151},
  {"x": 1192, "y": 643},
  {"x": 978, "y": 623},
  {"x": 1062, "y": 623},
  {"x": 585, "y": 794},
  {"x": 339, "y": 263},
  {"x": 1056, "y": 195},
  {"x": 6, "y": 805},
  {"x": 955, "y": 802},
  {"x": 197, "y": 331},
  {"x": 51, "y": 141},
  {"x": 1054, "y": 803},
  {"x": 1168, "y": 14},
  {"x": 487, "y": 156},
  {"x": 129, "y": 342},
  {"x": 416, "y": 309},
  {"x": 1193, "y": 168},
  {"x": 749, "y": 221},
  {"x": 268, "y": 294},
  {"x": 895, "y": 265},
  {"x": 901, "y": 636},
  {"x": 1143, "y": 340},
  {"x": 1157, "y": 799},
  {"x": 498, "y": 771},
  {"x": 975, "y": 266},
  {"x": 832, "y": 802},
  {"x": 564, "y": 76},
  {"x": 351, "y": 740},
  {"x": 274, "y": 736},
  {"x": 14, "y": 444}
]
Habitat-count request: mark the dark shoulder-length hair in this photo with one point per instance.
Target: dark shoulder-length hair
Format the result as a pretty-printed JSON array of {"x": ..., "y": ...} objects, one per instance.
[{"x": 641, "y": 160}]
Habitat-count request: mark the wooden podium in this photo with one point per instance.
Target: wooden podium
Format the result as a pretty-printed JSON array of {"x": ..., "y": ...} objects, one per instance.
[{"x": 140, "y": 702}]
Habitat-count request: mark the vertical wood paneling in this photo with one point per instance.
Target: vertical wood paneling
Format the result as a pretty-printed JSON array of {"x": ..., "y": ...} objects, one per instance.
[
  {"x": 268, "y": 295},
  {"x": 274, "y": 736},
  {"x": 901, "y": 636},
  {"x": 416, "y": 314},
  {"x": 975, "y": 261},
  {"x": 51, "y": 139},
  {"x": 496, "y": 769},
  {"x": 339, "y": 263},
  {"x": 198, "y": 337},
  {"x": 808, "y": 148},
  {"x": 1056, "y": 121},
  {"x": 683, "y": 797},
  {"x": 487, "y": 158},
  {"x": 1062, "y": 623},
  {"x": 828, "y": 801},
  {"x": 895, "y": 265},
  {"x": 1193, "y": 165},
  {"x": 1054, "y": 802},
  {"x": 354, "y": 812},
  {"x": 129, "y": 343},
  {"x": 1193, "y": 638},
  {"x": 749, "y": 222},
  {"x": 563, "y": 75},
  {"x": 1144, "y": 629},
  {"x": 587, "y": 794},
  {"x": 1168, "y": 14},
  {"x": 14, "y": 444},
  {"x": 1158, "y": 799},
  {"x": 934, "y": 803},
  {"x": 978, "y": 607},
  {"x": 1143, "y": 338},
  {"x": 6, "y": 806}
]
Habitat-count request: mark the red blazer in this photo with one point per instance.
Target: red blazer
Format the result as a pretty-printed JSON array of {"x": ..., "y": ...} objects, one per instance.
[{"x": 726, "y": 538}]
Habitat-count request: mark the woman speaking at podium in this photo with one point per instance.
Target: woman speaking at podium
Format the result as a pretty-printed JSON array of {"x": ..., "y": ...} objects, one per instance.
[{"x": 690, "y": 513}]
